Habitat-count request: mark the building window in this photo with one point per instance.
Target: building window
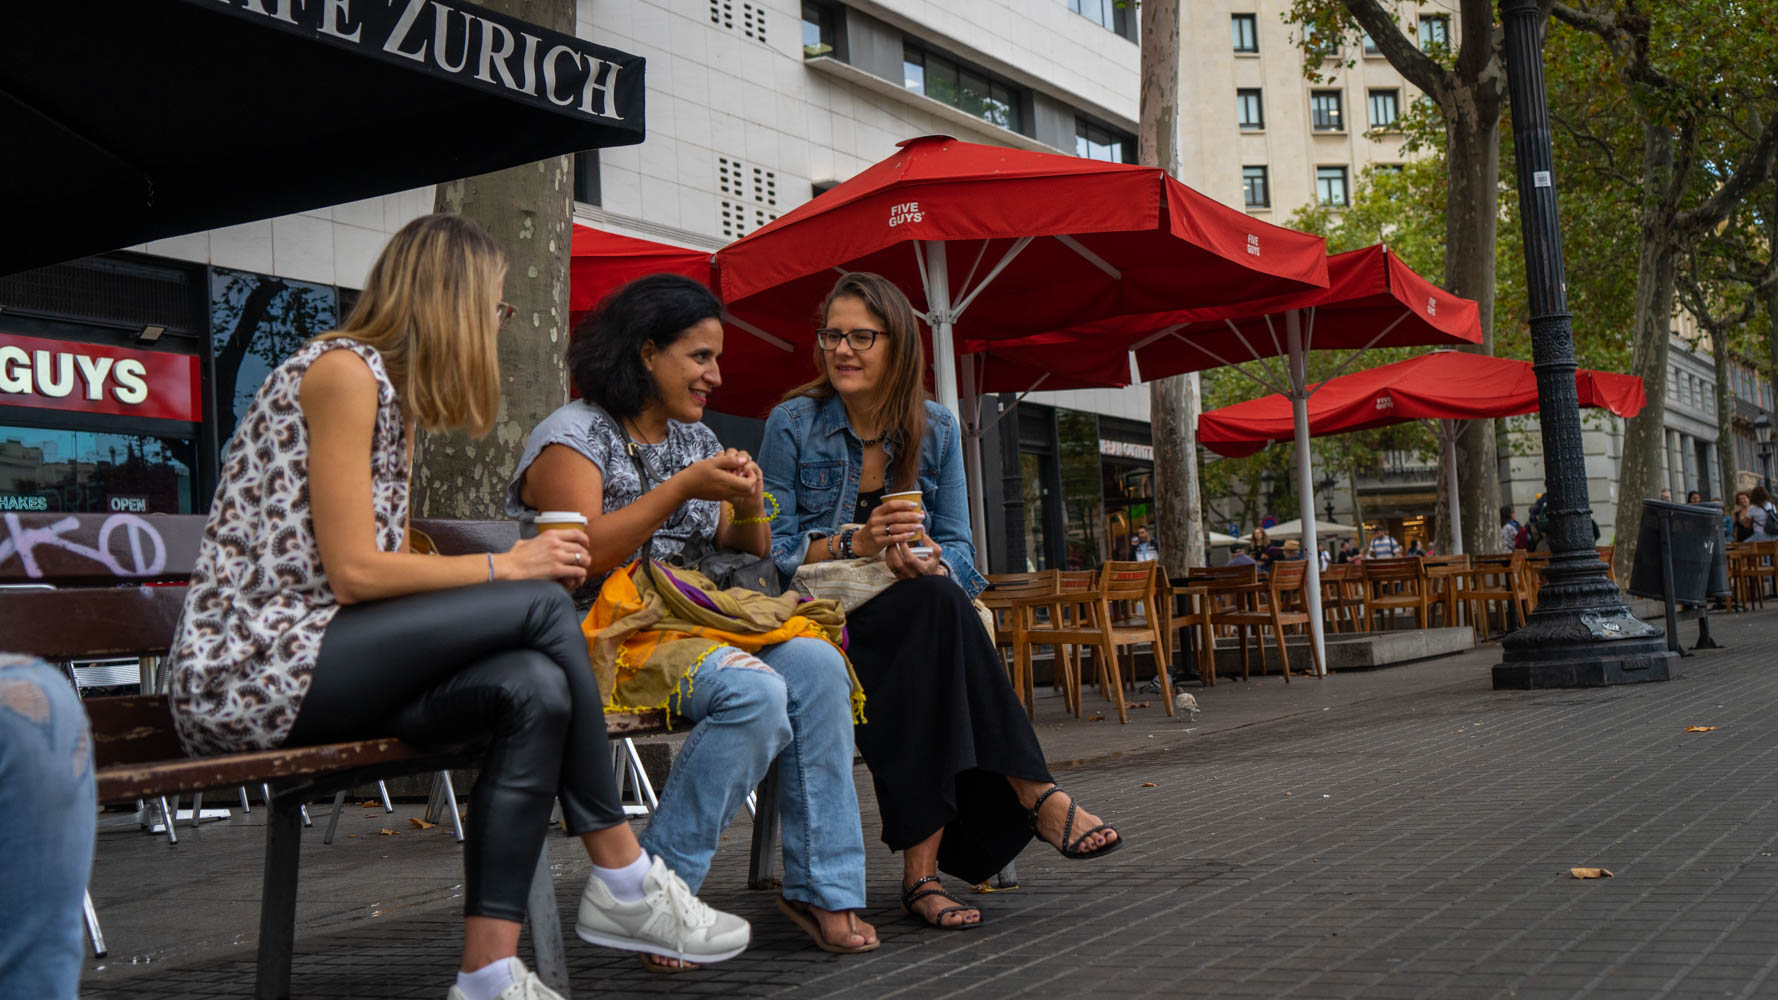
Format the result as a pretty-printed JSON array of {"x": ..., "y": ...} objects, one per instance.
[
  {"x": 1385, "y": 108},
  {"x": 1246, "y": 28},
  {"x": 1370, "y": 46},
  {"x": 1255, "y": 187},
  {"x": 1435, "y": 29},
  {"x": 586, "y": 176},
  {"x": 1330, "y": 186},
  {"x": 818, "y": 31},
  {"x": 1094, "y": 141},
  {"x": 1114, "y": 16},
  {"x": 942, "y": 79},
  {"x": 1325, "y": 111},
  {"x": 1248, "y": 112}
]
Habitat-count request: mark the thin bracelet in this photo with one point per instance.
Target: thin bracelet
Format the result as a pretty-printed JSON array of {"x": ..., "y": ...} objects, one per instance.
[{"x": 490, "y": 556}]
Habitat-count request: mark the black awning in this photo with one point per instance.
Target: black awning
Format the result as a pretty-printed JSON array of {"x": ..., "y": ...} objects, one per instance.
[{"x": 122, "y": 122}]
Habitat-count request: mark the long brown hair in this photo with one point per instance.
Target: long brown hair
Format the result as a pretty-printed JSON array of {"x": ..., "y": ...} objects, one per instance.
[
  {"x": 900, "y": 407},
  {"x": 428, "y": 307}
]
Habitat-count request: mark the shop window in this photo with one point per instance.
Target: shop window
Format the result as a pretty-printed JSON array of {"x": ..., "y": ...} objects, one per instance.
[
  {"x": 962, "y": 87},
  {"x": 84, "y": 472},
  {"x": 1083, "y": 502},
  {"x": 256, "y": 321},
  {"x": 1093, "y": 141}
]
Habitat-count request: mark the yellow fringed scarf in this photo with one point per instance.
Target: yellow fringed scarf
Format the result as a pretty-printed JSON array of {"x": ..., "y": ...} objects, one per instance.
[{"x": 647, "y": 633}]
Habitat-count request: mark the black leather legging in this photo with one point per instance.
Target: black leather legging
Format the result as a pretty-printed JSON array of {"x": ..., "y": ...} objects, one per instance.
[{"x": 501, "y": 663}]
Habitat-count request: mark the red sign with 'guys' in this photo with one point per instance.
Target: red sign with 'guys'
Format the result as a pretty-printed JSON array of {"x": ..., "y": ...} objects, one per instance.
[{"x": 96, "y": 378}]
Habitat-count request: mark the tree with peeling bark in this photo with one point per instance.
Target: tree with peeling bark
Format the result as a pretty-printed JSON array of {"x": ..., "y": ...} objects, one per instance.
[
  {"x": 1706, "y": 109},
  {"x": 530, "y": 211},
  {"x": 1173, "y": 402},
  {"x": 1468, "y": 89}
]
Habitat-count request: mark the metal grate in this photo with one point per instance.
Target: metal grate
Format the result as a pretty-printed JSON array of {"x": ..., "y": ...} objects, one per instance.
[
  {"x": 733, "y": 218},
  {"x": 722, "y": 13},
  {"x": 753, "y": 22},
  {"x": 125, "y": 293},
  {"x": 765, "y": 187},
  {"x": 729, "y": 174}
]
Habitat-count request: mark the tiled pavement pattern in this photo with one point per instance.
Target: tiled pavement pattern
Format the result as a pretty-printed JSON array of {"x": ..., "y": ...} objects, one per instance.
[{"x": 1404, "y": 832}]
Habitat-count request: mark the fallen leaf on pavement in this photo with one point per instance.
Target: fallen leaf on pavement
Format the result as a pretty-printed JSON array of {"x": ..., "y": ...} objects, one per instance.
[
  {"x": 351, "y": 836},
  {"x": 1095, "y": 718},
  {"x": 385, "y": 831},
  {"x": 1148, "y": 784},
  {"x": 1590, "y": 872},
  {"x": 370, "y": 804},
  {"x": 420, "y": 824},
  {"x": 1700, "y": 729}
]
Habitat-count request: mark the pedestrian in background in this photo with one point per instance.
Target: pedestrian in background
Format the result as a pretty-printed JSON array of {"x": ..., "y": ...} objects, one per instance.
[
  {"x": 1145, "y": 549},
  {"x": 1383, "y": 544}
]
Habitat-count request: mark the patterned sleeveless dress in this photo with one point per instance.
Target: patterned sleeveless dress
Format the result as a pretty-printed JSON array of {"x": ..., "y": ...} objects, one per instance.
[{"x": 259, "y": 601}]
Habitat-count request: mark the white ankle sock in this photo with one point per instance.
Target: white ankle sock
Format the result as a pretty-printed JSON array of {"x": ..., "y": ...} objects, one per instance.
[
  {"x": 626, "y": 883},
  {"x": 486, "y": 982}
]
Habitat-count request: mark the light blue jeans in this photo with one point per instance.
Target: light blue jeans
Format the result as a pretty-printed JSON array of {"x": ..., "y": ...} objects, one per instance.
[
  {"x": 793, "y": 707},
  {"x": 47, "y": 815}
]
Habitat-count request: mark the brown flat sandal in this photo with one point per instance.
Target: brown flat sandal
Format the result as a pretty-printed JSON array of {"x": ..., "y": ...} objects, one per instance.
[{"x": 801, "y": 915}]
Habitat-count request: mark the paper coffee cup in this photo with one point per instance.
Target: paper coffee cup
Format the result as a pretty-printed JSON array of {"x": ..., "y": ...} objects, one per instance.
[
  {"x": 561, "y": 520},
  {"x": 912, "y": 496}
]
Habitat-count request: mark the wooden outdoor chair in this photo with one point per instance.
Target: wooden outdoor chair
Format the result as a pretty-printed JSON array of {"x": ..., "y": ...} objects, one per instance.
[
  {"x": 1765, "y": 567},
  {"x": 1340, "y": 604},
  {"x": 1496, "y": 581},
  {"x": 1269, "y": 605},
  {"x": 1744, "y": 581},
  {"x": 1535, "y": 564},
  {"x": 1392, "y": 585},
  {"x": 1606, "y": 552},
  {"x": 1085, "y": 619},
  {"x": 1445, "y": 575},
  {"x": 1008, "y": 598},
  {"x": 1195, "y": 615}
]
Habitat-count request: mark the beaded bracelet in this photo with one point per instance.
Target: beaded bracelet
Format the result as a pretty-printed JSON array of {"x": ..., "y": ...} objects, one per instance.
[{"x": 764, "y": 519}]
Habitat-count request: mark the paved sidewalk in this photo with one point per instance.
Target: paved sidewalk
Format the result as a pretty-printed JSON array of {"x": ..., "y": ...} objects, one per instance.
[{"x": 1402, "y": 832}]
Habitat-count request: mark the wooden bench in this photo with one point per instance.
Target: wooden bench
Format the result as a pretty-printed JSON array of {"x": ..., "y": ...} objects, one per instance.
[{"x": 119, "y": 586}]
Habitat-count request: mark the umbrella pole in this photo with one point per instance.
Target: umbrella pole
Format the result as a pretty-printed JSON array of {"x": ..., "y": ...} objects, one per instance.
[
  {"x": 1305, "y": 490},
  {"x": 972, "y": 462},
  {"x": 1447, "y": 446},
  {"x": 944, "y": 363}
]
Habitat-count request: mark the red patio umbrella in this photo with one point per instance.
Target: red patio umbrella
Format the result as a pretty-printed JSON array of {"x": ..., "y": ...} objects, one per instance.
[
  {"x": 1443, "y": 385},
  {"x": 1041, "y": 241}
]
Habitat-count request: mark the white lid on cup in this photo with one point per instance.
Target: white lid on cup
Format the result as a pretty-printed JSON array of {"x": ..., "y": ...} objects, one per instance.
[{"x": 562, "y": 517}]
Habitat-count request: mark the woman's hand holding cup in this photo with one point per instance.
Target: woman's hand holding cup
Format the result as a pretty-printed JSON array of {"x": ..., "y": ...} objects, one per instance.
[
  {"x": 892, "y": 522},
  {"x": 908, "y": 561},
  {"x": 552, "y": 555}
]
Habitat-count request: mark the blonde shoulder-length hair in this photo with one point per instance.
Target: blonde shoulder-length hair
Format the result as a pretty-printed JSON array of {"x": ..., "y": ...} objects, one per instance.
[
  {"x": 429, "y": 308},
  {"x": 899, "y": 409}
]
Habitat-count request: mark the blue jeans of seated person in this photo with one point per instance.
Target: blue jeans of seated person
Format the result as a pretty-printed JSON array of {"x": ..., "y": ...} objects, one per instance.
[
  {"x": 795, "y": 708},
  {"x": 47, "y": 815}
]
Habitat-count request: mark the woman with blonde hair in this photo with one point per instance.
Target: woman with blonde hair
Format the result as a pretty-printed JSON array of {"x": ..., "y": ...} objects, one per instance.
[
  {"x": 960, "y": 777},
  {"x": 310, "y": 620}
]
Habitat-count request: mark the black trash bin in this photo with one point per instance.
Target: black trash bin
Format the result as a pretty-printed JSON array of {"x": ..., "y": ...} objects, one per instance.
[{"x": 1694, "y": 536}]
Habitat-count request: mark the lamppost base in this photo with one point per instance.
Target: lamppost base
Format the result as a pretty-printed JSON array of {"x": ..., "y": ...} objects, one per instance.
[{"x": 1588, "y": 649}]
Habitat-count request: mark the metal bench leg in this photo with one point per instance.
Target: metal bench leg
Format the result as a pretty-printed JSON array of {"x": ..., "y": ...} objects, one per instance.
[
  {"x": 246, "y": 810},
  {"x": 303, "y": 811},
  {"x": 339, "y": 806},
  {"x": 167, "y": 820},
  {"x": 546, "y": 927},
  {"x": 383, "y": 790},
  {"x": 277, "y": 899},
  {"x": 450, "y": 794},
  {"x": 639, "y": 774},
  {"x": 197, "y": 809},
  {"x": 92, "y": 928},
  {"x": 762, "y": 872}
]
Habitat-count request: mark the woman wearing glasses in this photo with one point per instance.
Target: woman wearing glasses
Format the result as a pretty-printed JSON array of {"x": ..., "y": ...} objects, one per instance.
[
  {"x": 309, "y": 619},
  {"x": 959, "y": 775},
  {"x": 632, "y": 457}
]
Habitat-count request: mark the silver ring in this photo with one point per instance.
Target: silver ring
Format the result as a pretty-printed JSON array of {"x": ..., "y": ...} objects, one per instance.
[{"x": 577, "y": 559}]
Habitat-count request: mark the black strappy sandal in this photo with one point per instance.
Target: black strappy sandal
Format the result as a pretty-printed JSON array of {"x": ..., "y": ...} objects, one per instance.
[
  {"x": 1070, "y": 849},
  {"x": 913, "y": 894}
]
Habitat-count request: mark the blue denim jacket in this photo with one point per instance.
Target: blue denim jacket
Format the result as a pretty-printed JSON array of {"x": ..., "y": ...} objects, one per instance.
[{"x": 812, "y": 462}]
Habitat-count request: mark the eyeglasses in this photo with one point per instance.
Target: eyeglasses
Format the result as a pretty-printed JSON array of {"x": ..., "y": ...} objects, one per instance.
[
  {"x": 503, "y": 314},
  {"x": 860, "y": 340}
]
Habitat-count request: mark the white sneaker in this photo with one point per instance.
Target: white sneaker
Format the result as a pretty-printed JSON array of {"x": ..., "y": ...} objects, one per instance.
[
  {"x": 524, "y": 987},
  {"x": 668, "y": 920}
]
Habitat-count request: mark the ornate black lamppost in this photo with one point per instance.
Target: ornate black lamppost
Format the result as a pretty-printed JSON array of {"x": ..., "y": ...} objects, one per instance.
[{"x": 1582, "y": 633}]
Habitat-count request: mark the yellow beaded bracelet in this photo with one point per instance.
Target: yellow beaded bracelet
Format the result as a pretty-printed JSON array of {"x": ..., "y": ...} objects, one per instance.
[{"x": 733, "y": 519}]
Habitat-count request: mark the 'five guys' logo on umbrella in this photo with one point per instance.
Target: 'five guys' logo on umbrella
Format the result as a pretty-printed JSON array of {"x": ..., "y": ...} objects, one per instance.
[
  {"x": 1431, "y": 306},
  {"x": 1253, "y": 244}
]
